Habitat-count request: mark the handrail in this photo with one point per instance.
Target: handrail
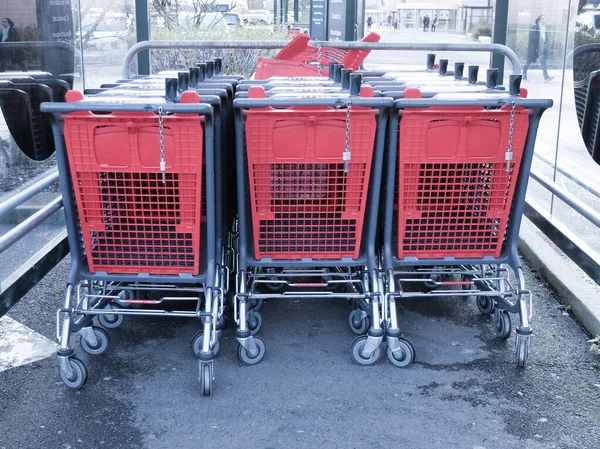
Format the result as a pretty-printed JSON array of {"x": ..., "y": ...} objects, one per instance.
[
  {"x": 195, "y": 45},
  {"x": 594, "y": 190},
  {"x": 25, "y": 194},
  {"x": 578, "y": 205},
  {"x": 18, "y": 232}
]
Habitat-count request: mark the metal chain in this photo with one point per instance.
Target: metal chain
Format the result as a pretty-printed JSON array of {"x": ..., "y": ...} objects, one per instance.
[
  {"x": 511, "y": 131},
  {"x": 161, "y": 133},
  {"x": 347, "y": 154},
  {"x": 318, "y": 60}
]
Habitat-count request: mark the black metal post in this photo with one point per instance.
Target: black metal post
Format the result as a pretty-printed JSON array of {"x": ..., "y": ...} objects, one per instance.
[
  {"x": 500, "y": 27},
  {"x": 142, "y": 30}
]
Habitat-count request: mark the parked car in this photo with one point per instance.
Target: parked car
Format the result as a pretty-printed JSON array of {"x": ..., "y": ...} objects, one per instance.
[
  {"x": 252, "y": 20},
  {"x": 233, "y": 20}
]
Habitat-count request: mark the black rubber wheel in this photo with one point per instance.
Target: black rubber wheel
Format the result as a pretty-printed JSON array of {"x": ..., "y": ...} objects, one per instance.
[
  {"x": 79, "y": 376},
  {"x": 246, "y": 358},
  {"x": 206, "y": 378},
  {"x": 502, "y": 324},
  {"x": 100, "y": 347},
  {"x": 255, "y": 304},
  {"x": 522, "y": 351},
  {"x": 254, "y": 320},
  {"x": 197, "y": 341},
  {"x": 408, "y": 354},
  {"x": 358, "y": 324},
  {"x": 486, "y": 304},
  {"x": 111, "y": 321},
  {"x": 357, "y": 352}
]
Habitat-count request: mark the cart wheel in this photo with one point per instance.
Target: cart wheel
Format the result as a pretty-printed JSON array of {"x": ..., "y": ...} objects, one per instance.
[
  {"x": 358, "y": 324},
  {"x": 486, "y": 305},
  {"x": 222, "y": 321},
  {"x": 357, "y": 352},
  {"x": 206, "y": 378},
  {"x": 109, "y": 320},
  {"x": 502, "y": 324},
  {"x": 275, "y": 287},
  {"x": 255, "y": 303},
  {"x": 254, "y": 320},
  {"x": 522, "y": 350},
  {"x": 197, "y": 341},
  {"x": 431, "y": 281},
  {"x": 246, "y": 358},
  {"x": 102, "y": 345},
  {"x": 406, "y": 358},
  {"x": 78, "y": 377}
]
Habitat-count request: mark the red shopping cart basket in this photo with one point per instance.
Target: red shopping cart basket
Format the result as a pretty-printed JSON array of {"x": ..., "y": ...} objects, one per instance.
[
  {"x": 298, "y": 59},
  {"x": 454, "y": 192},
  {"x": 304, "y": 205},
  {"x": 131, "y": 221}
]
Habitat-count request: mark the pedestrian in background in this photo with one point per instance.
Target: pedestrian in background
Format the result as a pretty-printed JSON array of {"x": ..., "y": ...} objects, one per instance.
[
  {"x": 538, "y": 48},
  {"x": 369, "y": 22},
  {"x": 425, "y": 23},
  {"x": 10, "y": 34},
  {"x": 433, "y": 24}
]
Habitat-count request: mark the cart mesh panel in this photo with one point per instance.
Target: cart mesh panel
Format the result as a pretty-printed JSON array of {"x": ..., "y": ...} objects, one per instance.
[
  {"x": 303, "y": 203},
  {"x": 454, "y": 193},
  {"x": 131, "y": 221}
]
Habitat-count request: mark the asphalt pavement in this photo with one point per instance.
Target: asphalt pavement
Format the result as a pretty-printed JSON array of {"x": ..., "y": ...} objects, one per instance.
[{"x": 464, "y": 390}]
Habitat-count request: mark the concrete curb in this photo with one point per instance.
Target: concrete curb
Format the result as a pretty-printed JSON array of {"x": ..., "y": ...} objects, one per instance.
[{"x": 574, "y": 288}]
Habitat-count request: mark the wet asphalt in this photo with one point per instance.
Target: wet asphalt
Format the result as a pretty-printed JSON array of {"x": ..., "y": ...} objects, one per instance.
[{"x": 464, "y": 390}]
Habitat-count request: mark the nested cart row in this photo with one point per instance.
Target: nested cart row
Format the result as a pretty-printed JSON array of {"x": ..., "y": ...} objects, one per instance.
[{"x": 371, "y": 187}]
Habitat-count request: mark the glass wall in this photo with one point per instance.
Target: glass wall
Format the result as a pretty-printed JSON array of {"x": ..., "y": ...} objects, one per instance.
[
  {"x": 106, "y": 31},
  {"x": 544, "y": 33}
]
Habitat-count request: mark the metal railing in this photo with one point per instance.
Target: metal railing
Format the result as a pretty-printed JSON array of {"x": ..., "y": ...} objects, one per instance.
[{"x": 24, "y": 278}]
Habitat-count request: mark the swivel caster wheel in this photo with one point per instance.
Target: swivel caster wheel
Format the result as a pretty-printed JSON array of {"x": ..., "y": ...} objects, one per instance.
[
  {"x": 274, "y": 287},
  {"x": 357, "y": 352},
  {"x": 197, "y": 341},
  {"x": 255, "y": 304},
  {"x": 404, "y": 356},
  {"x": 502, "y": 324},
  {"x": 254, "y": 320},
  {"x": 78, "y": 376},
  {"x": 206, "y": 378},
  {"x": 109, "y": 320},
  {"x": 522, "y": 352},
  {"x": 251, "y": 359},
  {"x": 102, "y": 342},
  {"x": 486, "y": 305},
  {"x": 359, "y": 322}
]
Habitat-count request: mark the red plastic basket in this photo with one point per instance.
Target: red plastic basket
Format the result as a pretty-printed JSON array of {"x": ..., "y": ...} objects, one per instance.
[
  {"x": 132, "y": 222},
  {"x": 303, "y": 203},
  {"x": 295, "y": 59},
  {"x": 454, "y": 193}
]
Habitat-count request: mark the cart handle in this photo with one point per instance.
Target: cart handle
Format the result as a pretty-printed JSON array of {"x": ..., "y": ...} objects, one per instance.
[
  {"x": 502, "y": 100},
  {"x": 336, "y": 102},
  {"x": 188, "y": 108}
]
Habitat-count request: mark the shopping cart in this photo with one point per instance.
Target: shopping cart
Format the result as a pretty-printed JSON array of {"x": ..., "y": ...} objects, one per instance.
[
  {"x": 300, "y": 59},
  {"x": 457, "y": 173},
  {"x": 131, "y": 180},
  {"x": 311, "y": 171}
]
